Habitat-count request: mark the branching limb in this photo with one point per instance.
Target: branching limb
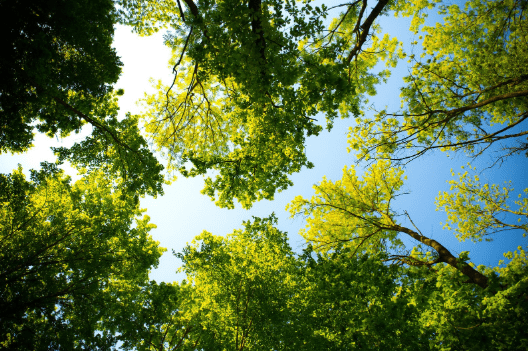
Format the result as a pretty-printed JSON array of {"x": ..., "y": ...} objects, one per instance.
[{"x": 366, "y": 29}]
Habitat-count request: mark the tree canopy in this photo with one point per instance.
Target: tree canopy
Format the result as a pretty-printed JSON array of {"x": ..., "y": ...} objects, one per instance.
[
  {"x": 58, "y": 67},
  {"x": 467, "y": 89},
  {"x": 250, "y": 291},
  {"x": 63, "y": 245},
  {"x": 247, "y": 88},
  {"x": 54, "y": 53},
  {"x": 252, "y": 80}
]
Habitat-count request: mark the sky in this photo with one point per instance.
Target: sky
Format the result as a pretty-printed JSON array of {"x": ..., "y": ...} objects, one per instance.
[{"x": 183, "y": 212}]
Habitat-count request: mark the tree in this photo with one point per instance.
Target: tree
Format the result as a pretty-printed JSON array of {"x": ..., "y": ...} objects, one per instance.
[
  {"x": 457, "y": 302},
  {"x": 470, "y": 76},
  {"x": 242, "y": 286},
  {"x": 348, "y": 302},
  {"x": 246, "y": 88},
  {"x": 358, "y": 213},
  {"x": 58, "y": 66},
  {"x": 154, "y": 316},
  {"x": 56, "y": 55},
  {"x": 466, "y": 91},
  {"x": 62, "y": 245}
]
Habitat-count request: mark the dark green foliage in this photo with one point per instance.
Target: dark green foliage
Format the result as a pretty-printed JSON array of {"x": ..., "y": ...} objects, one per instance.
[{"x": 52, "y": 50}]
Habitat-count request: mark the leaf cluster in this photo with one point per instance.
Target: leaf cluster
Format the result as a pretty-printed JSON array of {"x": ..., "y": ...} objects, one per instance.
[{"x": 62, "y": 244}]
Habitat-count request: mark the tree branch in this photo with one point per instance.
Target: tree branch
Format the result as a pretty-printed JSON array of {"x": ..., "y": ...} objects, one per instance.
[
  {"x": 94, "y": 123},
  {"x": 192, "y": 7},
  {"x": 446, "y": 256},
  {"x": 366, "y": 28}
]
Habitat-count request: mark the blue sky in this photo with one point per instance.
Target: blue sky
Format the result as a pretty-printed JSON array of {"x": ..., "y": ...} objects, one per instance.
[{"x": 183, "y": 212}]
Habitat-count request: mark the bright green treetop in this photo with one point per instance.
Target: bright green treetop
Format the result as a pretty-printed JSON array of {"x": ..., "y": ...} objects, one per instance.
[
  {"x": 450, "y": 301},
  {"x": 358, "y": 213},
  {"x": 61, "y": 245},
  {"x": 478, "y": 210},
  {"x": 242, "y": 285},
  {"x": 466, "y": 90}
]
